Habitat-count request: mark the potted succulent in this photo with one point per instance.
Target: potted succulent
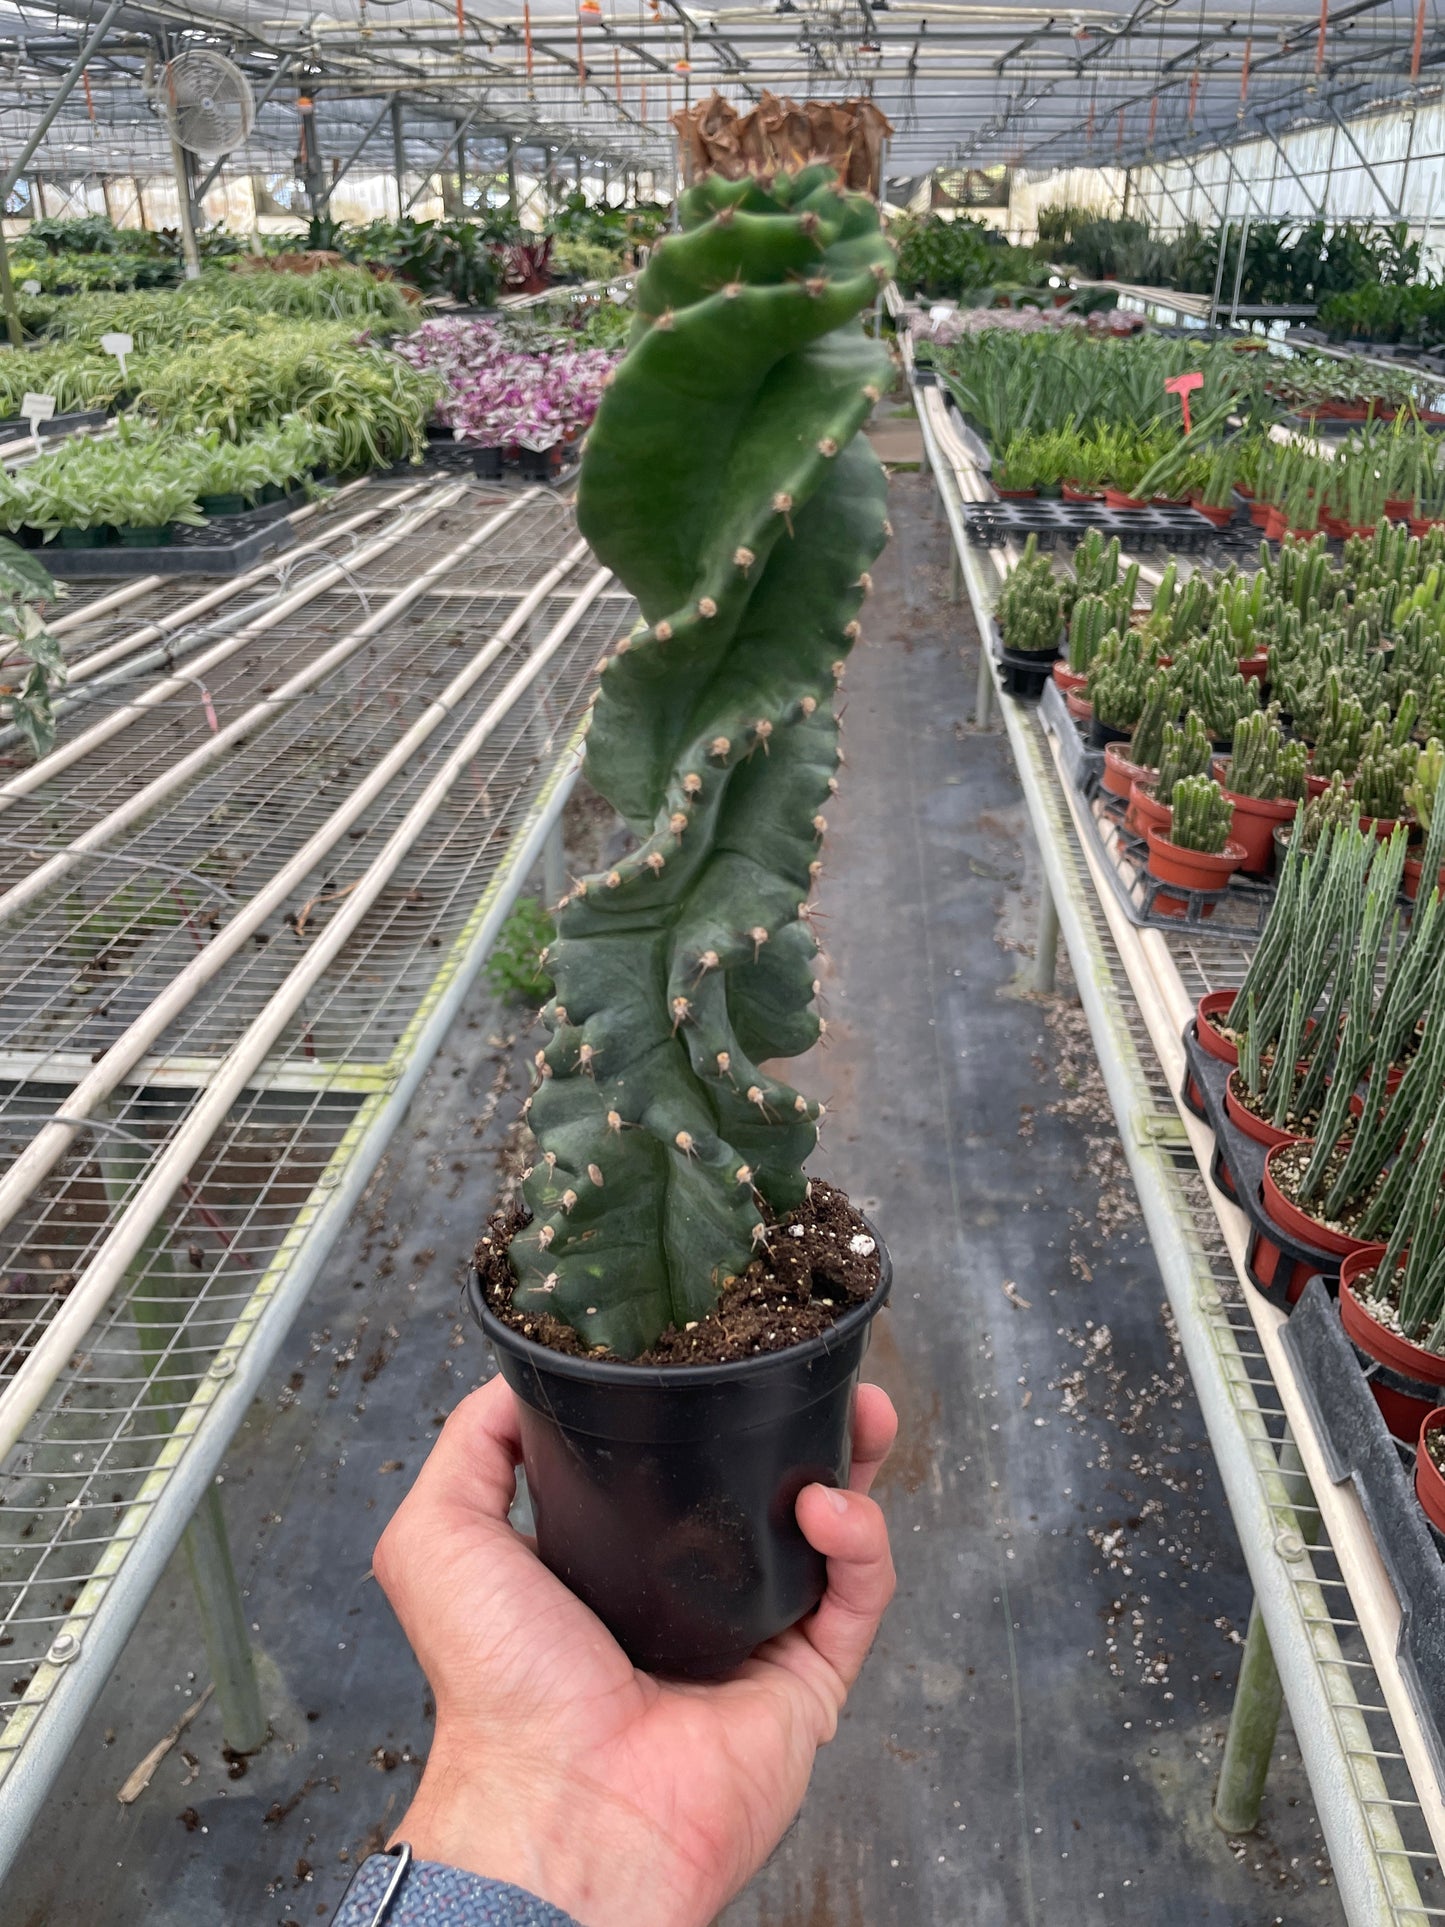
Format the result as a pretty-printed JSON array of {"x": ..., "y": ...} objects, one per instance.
[
  {"x": 1420, "y": 799},
  {"x": 1264, "y": 779},
  {"x": 1195, "y": 853},
  {"x": 1383, "y": 777},
  {"x": 725, "y": 484},
  {"x": 1030, "y": 620},
  {"x": 1118, "y": 684},
  {"x": 1140, "y": 762},
  {"x": 1184, "y": 750}
]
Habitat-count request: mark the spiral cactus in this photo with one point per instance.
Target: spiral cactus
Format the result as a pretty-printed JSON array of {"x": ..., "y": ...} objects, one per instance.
[{"x": 723, "y": 485}]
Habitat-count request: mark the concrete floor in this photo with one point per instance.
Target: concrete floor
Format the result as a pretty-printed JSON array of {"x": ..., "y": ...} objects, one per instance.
[{"x": 1037, "y": 1734}]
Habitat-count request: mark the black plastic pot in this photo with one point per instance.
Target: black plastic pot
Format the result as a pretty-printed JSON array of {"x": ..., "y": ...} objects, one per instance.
[
  {"x": 1102, "y": 734},
  {"x": 1023, "y": 672},
  {"x": 539, "y": 464},
  {"x": 664, "y": 1495},
  {"x": 487, "y": 464}
]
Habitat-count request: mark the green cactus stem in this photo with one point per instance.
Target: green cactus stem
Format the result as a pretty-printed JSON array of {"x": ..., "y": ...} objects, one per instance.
[
  {"x": 723, "y": 484},
  {"x": 1184, "y": 750},
  {"x": 1146, "y": 745},
  {"x": 1202, "y": 815},
  {"x": 1119, "y": 677}
]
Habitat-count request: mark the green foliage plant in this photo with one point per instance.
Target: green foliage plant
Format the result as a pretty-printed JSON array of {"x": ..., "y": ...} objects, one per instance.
[
  {"x": 515, "y": 969},
  {"x": 32, "y": 668},
  {"x": 725, "y": 484}
]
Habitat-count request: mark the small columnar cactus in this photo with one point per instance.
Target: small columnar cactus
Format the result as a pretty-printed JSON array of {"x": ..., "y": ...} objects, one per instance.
[
  {"x": 1262, "y": 764},
  {"x": 1333, "y": 809},
  {"x": 1340, "y": 733},
  {"x": 724, "y": 486},
  {"x": 1384, "y": 774},
  {"x": 1185, "y": 751},
  {"x": 1202, "y": 815},
  {"x": 1119, "y": 678},
  {"x": 1206, "y": 675},
  {"x": 1146, "y": 745},
  {"x": 1094, "y": 616},
  {"x": 1030, "y": 613}
]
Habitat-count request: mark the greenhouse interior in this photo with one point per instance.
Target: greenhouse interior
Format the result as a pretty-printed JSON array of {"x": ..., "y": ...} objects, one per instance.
[{"x": 579, "y": 1348}]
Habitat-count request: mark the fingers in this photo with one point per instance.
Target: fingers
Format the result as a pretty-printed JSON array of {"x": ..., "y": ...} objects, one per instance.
[
  {"x": 875, "y": 1426},
  {"x": 852, "y": 1534},
  {"x": 469, "y": 1479}
]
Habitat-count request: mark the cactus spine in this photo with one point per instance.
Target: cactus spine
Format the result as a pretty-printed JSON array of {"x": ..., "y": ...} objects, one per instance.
[{"x": 723, "y": 485}]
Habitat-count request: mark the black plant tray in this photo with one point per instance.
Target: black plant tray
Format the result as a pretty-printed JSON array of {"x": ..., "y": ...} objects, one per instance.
[
  {"x": 1240, "y": 910},
  {"x": 227, "y": 545},
  {"x": 17, "y": 425},
  {"x": 1358, "y": 1447},
  {"x": 992, "y": 524},
  {"x": 1273, "y": 1257}
]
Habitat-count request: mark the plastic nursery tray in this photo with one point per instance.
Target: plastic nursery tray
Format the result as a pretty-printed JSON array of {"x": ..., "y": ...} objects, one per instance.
[
  {"x": 1273, "y": 1259},
  {"x": 1239, "y": 910},
  {"x": 992, "y": 524},
  {"x": 17, "y": 425},
  {"x": 227, "y": 545},
  {"x": 1357, "y": 1446}
]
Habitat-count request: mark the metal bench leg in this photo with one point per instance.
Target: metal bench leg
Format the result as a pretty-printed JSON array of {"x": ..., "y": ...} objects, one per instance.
[
  {"x": 1258, "y": 1696},
  {"x": 1046, "y": 949},
  {"x": 160, "y": 1300},
  {"x": 955, "y": 575},
  {"x": 983, "y": 694},
  {"x": 1250, "y": 1740},
  {"x": 223, "y": 1626},
  {"x": 554, "y": 866}
]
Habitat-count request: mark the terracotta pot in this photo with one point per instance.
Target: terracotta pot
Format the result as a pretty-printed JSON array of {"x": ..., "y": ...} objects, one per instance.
[
  {"x": 1073, "y": 493},
  {"x": 1115, "y": 498},
  {"x": 1274, "y": 524},
  {"x": 1333, "y": 526},
  {"x": 1315, "y": 785},
  {"x": 1399, "y": 508},
  {"x": 1253, "y": 827},
  {"x": 1254, "y": 668},
  {"x": 1067, "y": 678},
  {"x": 1220, "y": 517},
  {"x": 1259, "y": 513},
  {"x": 1298, "y": 1224},
  {"x": 1016, "y": 494},
  {"x": 1254, "y": 1127},
  {"x": 1079, "y": 707},
  {"x": 1414, "y": 870},
  {"x": 1384, "y": 827},
  {"x": 1403, "y": 1408},
  {"x": 1215, "y": 1003},
  {"x": 1146, "y": 813},
  {"x": 1429, "y": 1484},
  {"x": 1120, "y": 774},
  {"x": 1190, "y": 870}
]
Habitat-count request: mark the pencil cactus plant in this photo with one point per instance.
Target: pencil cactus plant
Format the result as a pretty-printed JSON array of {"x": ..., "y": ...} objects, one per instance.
[{"x": 724, "y": 485}]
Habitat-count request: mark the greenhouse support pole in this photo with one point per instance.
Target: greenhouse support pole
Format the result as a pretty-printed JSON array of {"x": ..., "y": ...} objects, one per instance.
[
  {"x": 398, "y": 154},
  {"x": 183, "y": 197},
  {"x": 355, "y": 155},
  {"x": 512, "y": 175},
  {"x": 1218, "y": 274},
  {"x": 1239, "y": 270},
  {"x": 57, "y": 101},
  {"x": 7, "y": 296}
]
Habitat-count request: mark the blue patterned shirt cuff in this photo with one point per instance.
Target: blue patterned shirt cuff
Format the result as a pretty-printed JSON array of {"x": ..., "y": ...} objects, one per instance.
[{"x": 432, "y": 1893}]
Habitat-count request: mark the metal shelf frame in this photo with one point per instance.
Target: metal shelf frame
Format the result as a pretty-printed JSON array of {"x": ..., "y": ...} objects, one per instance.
[
  {"x": 224, "y": 989},
  {"x": 1325, "y": 1621}
]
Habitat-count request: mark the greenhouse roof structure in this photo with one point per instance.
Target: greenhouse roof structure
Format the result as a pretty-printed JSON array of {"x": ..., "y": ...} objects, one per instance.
[{"x": 964, "y": 83}]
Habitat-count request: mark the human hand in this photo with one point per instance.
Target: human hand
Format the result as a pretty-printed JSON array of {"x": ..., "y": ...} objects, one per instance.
[{"x": 625, "y": 1800}]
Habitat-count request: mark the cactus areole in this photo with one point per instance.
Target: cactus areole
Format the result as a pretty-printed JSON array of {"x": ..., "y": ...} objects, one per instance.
[{"x": 724, "y": 484}]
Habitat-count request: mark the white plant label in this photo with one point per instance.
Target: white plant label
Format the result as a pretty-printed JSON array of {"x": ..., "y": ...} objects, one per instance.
[
  {"x": 119, "y": 346},
  {"x": 30, "y": 287},
  {"x": 36, "y": 409}
]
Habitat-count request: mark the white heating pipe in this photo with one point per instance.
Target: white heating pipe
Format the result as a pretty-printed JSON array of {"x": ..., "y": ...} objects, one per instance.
[
  {"x": 50, "y": 1143},
  {"x": 92, "y": 1288},
  {"x": 161, "y": 692},
  {"x": 161, "y": 626}
]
